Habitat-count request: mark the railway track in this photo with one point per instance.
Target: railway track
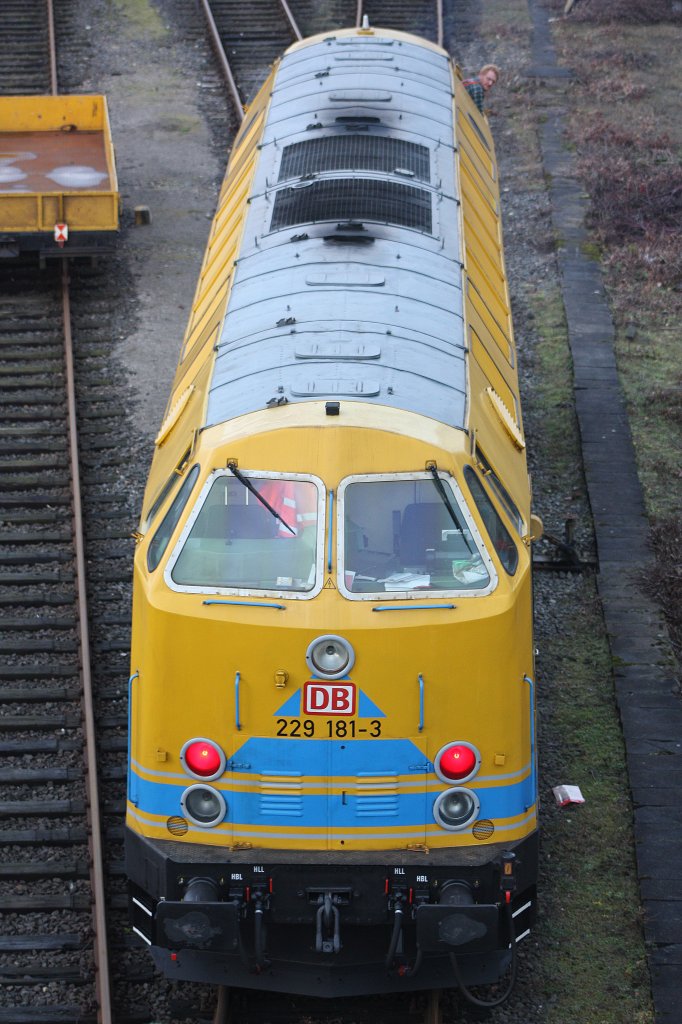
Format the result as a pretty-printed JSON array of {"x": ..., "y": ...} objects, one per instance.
[
  {"x": 423, "y": 17},
  {"x": 62, "y": 726},
  {"x": 58, "y": 735},
  {"x": 247, "y": 40},
  {"x": 53, "y": 943},
  {"x": 26, "y": 55}
]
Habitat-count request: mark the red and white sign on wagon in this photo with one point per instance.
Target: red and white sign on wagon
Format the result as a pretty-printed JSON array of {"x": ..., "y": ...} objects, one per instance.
[
  {"x": 329, "y": 699},
  {"x": 61, "y": 233}
]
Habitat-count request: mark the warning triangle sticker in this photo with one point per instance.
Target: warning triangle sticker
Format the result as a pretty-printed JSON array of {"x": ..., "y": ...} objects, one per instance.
[{"x": 329, "y": 585}]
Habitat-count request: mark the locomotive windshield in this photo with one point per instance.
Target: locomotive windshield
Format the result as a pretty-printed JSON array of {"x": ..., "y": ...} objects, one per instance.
[
  {"x": 253, "y": 533},
  {"x": 403, "y": 534}
]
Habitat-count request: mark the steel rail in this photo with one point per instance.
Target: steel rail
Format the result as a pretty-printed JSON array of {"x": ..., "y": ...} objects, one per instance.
[
  {"x": 290, "y": 18},
  {"x": 52, "y": 44},
  {"x": 222, "y": 59},
  {"x": 102, "y": 982},
  {"x": 222, "y": 56},
  {"x": 99, "y": 921}
]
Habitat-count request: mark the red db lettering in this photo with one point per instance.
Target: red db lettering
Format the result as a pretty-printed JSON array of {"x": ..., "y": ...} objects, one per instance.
[
  {"x": 340, "y": 701},
  {"x": 329, "y": 699},
  {"x": 318, "y": 699}
]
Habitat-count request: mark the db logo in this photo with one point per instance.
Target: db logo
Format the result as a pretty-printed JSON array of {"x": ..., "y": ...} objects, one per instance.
[{"x": 329, "y": 699}]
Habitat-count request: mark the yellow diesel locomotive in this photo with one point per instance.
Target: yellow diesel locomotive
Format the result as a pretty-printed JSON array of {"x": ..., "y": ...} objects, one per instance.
[{"x": 332, "y": 782}]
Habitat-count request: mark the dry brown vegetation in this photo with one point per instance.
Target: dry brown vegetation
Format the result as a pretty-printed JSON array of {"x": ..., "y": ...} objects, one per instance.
[
  {"x": 637, "y": 12},
  {"x": 643, "y": 188},
  {"x": 667, "y": 538},
  {"x": 633, "y": 12},
  {"x": 626, "y": 132},
  {"x": 638, "y": 200}
]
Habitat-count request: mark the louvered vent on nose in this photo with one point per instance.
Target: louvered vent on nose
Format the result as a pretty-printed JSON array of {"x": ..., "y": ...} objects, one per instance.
[
  {"x": 355, "y": 153},
  {"x": 376, "y": 794},
  {"x": 281, "y": 794}
]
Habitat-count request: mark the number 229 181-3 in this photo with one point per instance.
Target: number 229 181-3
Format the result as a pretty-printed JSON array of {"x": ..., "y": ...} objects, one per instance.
[{"x": 328, "y": 728}]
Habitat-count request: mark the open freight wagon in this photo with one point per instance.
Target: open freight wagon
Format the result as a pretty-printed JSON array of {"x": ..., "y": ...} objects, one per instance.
[{"x": 58, "y": 187}]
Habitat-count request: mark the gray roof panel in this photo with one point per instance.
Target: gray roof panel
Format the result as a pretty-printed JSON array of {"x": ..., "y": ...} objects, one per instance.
[
  {"x": 400, "y": 58},
  {"x": 379, "y": 322}
]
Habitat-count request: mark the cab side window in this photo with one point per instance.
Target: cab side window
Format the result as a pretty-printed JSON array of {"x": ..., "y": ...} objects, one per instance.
[
  {"x": 164, "y": 533},
  {"x": 499, "y": 535}
]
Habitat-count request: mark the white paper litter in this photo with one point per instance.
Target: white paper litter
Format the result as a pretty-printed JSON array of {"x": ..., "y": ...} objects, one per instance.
[
  {"x": 568, "y": 795},
  {"x": 469, "y": 570}
]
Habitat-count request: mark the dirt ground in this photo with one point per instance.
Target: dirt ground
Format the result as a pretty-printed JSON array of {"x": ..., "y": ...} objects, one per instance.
[{"x": 156, "y": 89}]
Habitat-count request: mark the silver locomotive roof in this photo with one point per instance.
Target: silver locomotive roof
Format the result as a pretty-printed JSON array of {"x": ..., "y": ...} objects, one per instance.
[{"x": 348, "y": 282}]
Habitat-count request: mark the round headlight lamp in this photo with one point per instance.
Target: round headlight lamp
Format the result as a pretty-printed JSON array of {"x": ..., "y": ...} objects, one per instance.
[
  {"x": 330, "y": 656},
  {"x": 203, "y": 806},
  {"x": 455, "y": 809}
]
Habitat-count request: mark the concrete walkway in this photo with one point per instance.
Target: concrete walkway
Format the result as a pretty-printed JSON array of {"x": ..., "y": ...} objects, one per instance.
[{"x": 650, "y": 709}]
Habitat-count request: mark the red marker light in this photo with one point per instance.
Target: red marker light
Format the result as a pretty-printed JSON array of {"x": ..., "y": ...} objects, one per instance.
[
  {"x": 457, "y": 762},
  {"x": 203, "y": 758}
]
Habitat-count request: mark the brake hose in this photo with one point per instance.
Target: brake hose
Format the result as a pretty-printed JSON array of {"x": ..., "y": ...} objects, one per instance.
[
  {"x": 259, "y": 935},
  {"x": 485, "y": 1003},
  {"x": 395, "y": 935},
  {"x": 405, "y": 970}
]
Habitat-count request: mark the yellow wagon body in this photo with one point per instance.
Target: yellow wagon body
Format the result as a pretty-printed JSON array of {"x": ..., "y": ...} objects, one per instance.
[{"x": 56, "y": 167}]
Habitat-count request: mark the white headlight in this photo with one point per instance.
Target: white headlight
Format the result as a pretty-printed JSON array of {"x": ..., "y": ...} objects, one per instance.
[
  {"x": 330, "y": 656},
  {"x": 456, "y": 808},
  {"x": 203, "y": 805}
]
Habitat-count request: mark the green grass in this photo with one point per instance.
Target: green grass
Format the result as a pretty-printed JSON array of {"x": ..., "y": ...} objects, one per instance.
[
  {"x": 142, "y": 18},
  {"x": 649, "y": 369},
  {"x": 593, "y": 959},
  {"x": 553, "y": 414},
  {"x": 180, "y": 123}
]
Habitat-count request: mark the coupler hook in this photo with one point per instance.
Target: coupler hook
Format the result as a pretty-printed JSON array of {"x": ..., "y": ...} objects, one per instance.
[{"x": 328, "y": 920}]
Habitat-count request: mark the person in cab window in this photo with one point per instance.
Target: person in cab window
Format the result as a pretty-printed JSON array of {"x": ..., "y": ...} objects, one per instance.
[
  {"x": 295, "y": 502},
  {"x": 483, "y": 83}
]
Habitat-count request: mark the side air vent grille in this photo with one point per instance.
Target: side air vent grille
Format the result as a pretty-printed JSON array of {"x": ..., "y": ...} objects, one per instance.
[
  {"x": 376, "y": 794},
  {"x": 281, "y": 794},
  {"x": 353, "y": 199},
  {"x": 354, "y": 153}
]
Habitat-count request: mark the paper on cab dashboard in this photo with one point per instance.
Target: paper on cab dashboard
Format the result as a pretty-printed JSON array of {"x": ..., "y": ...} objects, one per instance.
[{"x": 406, "y": 581}]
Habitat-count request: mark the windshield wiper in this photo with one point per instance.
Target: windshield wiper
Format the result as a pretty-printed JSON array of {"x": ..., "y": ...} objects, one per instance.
[
  {"x": 249, "y": 486},
  {"x": 444, "y": 495}
]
